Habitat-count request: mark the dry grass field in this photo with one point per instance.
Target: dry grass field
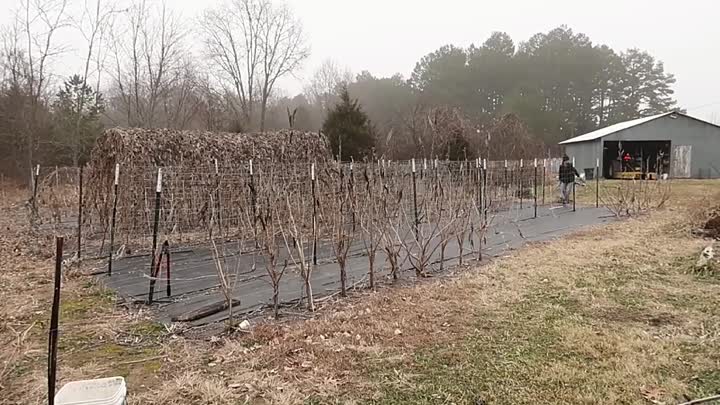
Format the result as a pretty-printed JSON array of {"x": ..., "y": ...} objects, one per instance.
[{"x": 611, "y": 314}]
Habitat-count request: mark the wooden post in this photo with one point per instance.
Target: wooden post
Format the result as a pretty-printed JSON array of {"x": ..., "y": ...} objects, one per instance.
[
  {"x": 535, "y": 164},
  {"x": 80, "y": 214},
  {"x": 54, "y": 320},
  {"x": 112, "y": 220}
]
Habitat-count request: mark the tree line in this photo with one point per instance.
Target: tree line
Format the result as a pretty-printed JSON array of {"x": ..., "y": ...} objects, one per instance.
[{"x": 140, "y": 68}]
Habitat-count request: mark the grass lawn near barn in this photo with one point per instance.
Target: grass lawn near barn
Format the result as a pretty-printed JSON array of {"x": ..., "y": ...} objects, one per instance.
[{"x": 610, "y": 314}]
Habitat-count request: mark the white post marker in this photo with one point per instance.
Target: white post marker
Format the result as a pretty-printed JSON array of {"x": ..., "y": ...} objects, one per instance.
[
  {"x": 351, "y": 165},
  {"x": 251, "y": 167},
  {"x": 312, "y": 171},
  {"x": 597, "y": 162},
  {"x": 506, "y": 163},
  {"x": 413, "y": 164},
  {"x": 535, "y": 163},
  {"x": 216, "y": 167},
  {"x": 424, "y": 164},
  {"x": 436, "y": 163},
  {"x": 521, "y": 163},
  {"x": 117, "y": 173},
  {"x": 544, "y": 161},
  {"x": 485, "y": 164},
  {"x": 573, "y": 160},
  {"x": 477, "y": 163},
  {"x": 158, "y": 186},
  {"x": 37, "y": 170}
]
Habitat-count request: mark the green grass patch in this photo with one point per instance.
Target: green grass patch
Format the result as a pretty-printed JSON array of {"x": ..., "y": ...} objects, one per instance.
[
  {"x": 92, "y": 300},
  {"x": 553, "y": 346},
  {"x": 147, "y": 328}
]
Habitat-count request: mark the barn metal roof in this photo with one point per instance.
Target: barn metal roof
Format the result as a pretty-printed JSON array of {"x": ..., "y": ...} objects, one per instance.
[{"x": 597, "y": 134}]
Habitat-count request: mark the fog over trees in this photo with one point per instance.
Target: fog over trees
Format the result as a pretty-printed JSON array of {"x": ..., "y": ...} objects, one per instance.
[{"x": 142, "y": 66}]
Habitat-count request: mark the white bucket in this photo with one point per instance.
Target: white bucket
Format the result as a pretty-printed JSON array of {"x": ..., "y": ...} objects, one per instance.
[{"x": 103, "y": 391}]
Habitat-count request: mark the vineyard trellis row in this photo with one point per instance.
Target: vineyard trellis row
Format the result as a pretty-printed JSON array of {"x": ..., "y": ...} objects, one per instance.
[{"x": 296, "y": 215}]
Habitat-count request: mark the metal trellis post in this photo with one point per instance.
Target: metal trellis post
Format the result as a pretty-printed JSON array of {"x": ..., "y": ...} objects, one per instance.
[
  {"x": 156, "y": 224},
  {"x": 112, "y": 220}
]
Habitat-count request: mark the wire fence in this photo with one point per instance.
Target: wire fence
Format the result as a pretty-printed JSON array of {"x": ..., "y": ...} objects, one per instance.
[
  {"x": 193, "y": 202},
  {"x": 249, "y": 215}
]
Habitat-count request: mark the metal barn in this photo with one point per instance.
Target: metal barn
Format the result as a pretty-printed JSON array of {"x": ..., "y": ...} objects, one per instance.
[{"x": 672, "y": 143}]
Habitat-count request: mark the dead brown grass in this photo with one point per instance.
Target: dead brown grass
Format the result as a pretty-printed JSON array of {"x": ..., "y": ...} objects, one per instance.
[{"x": 608, "y": 315}]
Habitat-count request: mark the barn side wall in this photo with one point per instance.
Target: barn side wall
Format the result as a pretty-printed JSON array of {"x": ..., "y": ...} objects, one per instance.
[
  {"x": 704, "y": 139},
  {"x": 585, "y": 154}
]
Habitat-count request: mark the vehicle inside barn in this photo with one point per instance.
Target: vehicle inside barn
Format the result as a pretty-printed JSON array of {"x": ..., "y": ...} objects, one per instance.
[{"x": 636, "y": 159}]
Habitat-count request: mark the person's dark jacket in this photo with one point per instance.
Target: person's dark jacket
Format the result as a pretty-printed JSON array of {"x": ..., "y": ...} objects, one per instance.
[{"x": 567, "y": 173}]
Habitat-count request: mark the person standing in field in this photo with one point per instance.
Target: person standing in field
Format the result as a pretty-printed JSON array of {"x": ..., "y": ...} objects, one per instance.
[{"x": 566, "y": 176}]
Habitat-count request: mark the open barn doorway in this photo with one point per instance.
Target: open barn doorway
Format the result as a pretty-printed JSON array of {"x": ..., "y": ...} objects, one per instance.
[{"x": 636, "y": 159}]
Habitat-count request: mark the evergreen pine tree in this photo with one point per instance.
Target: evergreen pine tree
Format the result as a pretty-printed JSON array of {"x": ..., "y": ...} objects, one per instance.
[
  {"x": 77, "y": 117},
  {"x": 348, "y": 129}
]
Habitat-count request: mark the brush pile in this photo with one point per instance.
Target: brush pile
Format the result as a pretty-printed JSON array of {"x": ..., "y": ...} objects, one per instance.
[
  {"x": 200, "y": 154},
  {"x": 167, "y": 147}
]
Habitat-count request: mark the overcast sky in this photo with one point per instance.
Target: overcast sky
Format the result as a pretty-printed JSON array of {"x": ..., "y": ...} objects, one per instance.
[{"x": 390, "y": 36}]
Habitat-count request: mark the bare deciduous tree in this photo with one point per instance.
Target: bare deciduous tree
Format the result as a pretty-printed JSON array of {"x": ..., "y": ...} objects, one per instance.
[
  {"x": 39, "y": 22},
  {"x": 254, "y": 43},
  {"x": 94, "y": 24},
  {"x": 323, "y": 87},
  {"x": 147, "y": 50}
]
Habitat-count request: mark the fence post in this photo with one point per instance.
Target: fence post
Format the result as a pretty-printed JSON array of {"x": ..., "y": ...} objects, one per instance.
[
  {"x": 597, "y": 183},
  {"x": 478, "y": 186},
  {"x": 544, "y": 175},
  {"x": 54, "y": 319},
  {"x": 415, "y": 206},
  {"x": 314, "y": 211},
  {"x": 253, "y": 203},
  {"x": 520, "y": 183},
  {"x": 112, "y": 220},
  {"x": 485, "y": 193},
  {"x": 535, "y": 187},
  {"x": 35, "y": 175},
  {"x": 573, "y": 190},
  {"x": 80, "y": 214},
  {"x": 156, "y": 224},
  {"x": 218, "y": 205},
  {"x": 351, "y": 192},
  {"x": 505, "y": 180}
]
